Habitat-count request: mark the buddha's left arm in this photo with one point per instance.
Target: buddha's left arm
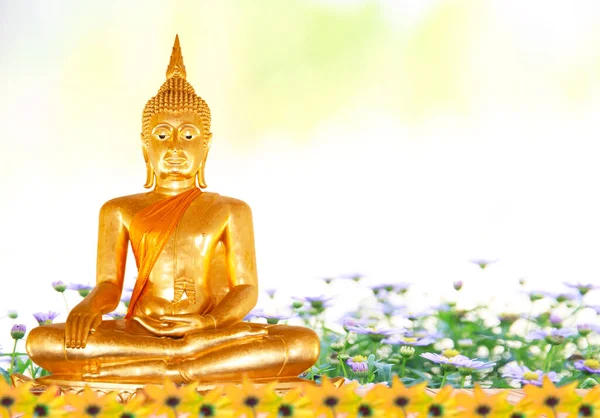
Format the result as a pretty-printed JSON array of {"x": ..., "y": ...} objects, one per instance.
[{"x": 238, "y": 240}]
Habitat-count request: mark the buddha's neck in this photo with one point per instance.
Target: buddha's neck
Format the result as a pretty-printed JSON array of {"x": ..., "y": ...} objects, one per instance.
[{"x": 174, "y": 187}]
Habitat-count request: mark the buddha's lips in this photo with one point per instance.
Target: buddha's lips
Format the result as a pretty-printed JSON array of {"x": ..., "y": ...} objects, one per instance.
[{"x": 176, "y": 161}]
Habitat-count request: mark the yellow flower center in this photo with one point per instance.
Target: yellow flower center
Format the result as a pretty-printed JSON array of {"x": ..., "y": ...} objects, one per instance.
[
  {"x": 359, "y": 359},
  {"x": 450, "y": 353},
  {"x": 530, "y": 376},
  {"x": 592, "y": 364},
  {"x": 409, "y": 339}
]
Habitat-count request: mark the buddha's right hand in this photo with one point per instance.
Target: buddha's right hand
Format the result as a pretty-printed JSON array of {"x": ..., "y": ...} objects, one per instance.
[{"x": 81, "y": 320}]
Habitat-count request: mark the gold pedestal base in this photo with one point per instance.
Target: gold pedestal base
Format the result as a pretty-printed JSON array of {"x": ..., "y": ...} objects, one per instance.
[{"x": 126, "y": 391}]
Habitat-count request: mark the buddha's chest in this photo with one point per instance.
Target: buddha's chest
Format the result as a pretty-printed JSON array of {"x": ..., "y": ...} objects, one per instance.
[
  {"x": 181, "y": 267},
  {"x": 187, "y": 249}
]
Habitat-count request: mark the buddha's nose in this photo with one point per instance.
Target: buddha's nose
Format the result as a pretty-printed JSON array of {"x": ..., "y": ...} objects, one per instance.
[{"x": 175, "y": 144}]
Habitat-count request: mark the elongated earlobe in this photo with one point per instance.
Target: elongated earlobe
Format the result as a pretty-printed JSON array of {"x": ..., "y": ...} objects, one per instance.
[
  {"x": 200, "y": 182},
  {"x": 149, "y": 177},
  {"x": 149, "y": 171}
]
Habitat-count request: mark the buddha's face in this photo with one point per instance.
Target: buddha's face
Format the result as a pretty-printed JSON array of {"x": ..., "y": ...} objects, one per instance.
[{"x": 175, "y": 145}]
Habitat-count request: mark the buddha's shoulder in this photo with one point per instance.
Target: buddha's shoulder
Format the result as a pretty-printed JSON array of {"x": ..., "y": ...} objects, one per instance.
[
  {"x": 231, "y": 203},
  {"x": 125, "y": 202}
]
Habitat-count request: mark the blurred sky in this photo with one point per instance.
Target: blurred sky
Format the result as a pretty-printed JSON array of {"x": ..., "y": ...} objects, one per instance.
[{"x": 397, "y": 139}]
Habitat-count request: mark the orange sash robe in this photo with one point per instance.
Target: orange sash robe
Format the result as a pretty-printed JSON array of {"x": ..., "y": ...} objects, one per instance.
[{"x": 149, "y": 232}]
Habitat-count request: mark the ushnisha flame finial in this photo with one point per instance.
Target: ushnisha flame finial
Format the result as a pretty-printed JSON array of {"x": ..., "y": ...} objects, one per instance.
[
  {"x": 176, "y": 67},
  {"x": 176, "y": 94}
]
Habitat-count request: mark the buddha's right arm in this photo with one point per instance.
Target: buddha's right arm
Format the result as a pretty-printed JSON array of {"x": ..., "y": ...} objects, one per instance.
[
  {"x": 113, "y": 239},
  {"x": 105, "y": 297}
]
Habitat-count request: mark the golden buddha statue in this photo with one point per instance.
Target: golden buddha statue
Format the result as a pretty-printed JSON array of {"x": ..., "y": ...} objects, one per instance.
[{"x": 196, "y": 280}]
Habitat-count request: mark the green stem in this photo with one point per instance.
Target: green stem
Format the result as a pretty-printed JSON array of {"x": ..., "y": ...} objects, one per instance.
[
  {"x": 343, "y": 368},
  {"x": 66, "y": 304},
  {"x": 443, "y": 380},
  {"x": 549, "y": 359},
  {"x": 404, "y": 360},
  {"x": 462, "y": 381},
  {"x": 12, "y": 358}
]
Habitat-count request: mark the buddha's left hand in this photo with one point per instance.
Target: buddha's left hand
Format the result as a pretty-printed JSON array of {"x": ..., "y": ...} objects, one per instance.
[{"x": 176, "y": 325}]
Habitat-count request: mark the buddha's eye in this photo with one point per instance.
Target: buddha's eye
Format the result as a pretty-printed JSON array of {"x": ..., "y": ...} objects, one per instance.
[
  {"x": 189, "y": 135},
  {"x": 161, "y": 135}
]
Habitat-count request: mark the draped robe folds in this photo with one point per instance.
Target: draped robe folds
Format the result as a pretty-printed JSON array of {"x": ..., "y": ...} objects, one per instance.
[{"x": 149, "y": 232}]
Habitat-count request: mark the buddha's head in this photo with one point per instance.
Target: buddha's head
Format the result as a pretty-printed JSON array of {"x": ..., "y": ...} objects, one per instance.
[{"x": 176, "y": 129}]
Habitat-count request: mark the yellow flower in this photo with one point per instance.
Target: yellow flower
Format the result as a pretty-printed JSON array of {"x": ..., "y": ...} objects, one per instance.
[
  {"x": 250, "y": 399},
  {"x": 49, "y": 404},
  {"x": 482, "y": 405},
  {"x": 168, "y": 397},
  {"x": 134, "y": 408},
  {"x": 549, "y": 399},
  {"x": 10, "y": 397},
  {"x": 443, "y": 404},
  {"x": 213, "y": 404},
  {"x": 294, "y": 404},
  {"x": 371, "y": 405},
  {"x": 400, "y": 401},
  {"x": 589, "y": 405},
  {"x": 327, "y": 400},
  {"x": 89, "y": 404},
  {"x": 521, "y": 410}
]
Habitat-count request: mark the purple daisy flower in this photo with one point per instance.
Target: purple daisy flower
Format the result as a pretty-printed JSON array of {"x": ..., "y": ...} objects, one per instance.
[
  {"x": 440, "y": 359},
  {"x": 536, "y": 294},
  {"x": 358, "y": 364},
  {"x": 45, "y": 318},
  {"x": 482, "y": 263},
  {"x": 555, "y": 320},
  {"x": 582, "y": 288},
  {"x": 563, "y": 296},
  {"x": 271, "y": 317},
  {"x": 82, "y": 289},
  {"x": 398, "y": 288},
  {"x": 412, "y": 341},
  {"x": 414, "y": 315},
  {"x": 355, "y": 277},
  {"x": 59, "y": 286},
  {"x": 590, "y": 366},
  {"x": 459, "y": 361},
  {"x": 376, "y": 333},
  {"x": 18, "y": 331},
  {"x": 553, "y": 336},
  {"x": 585, "y": 329},
  {"x": 353, "y": 321},
  {"x": 474, "y": 364},
  {"x": 523, "y": 375},
  {"x": 318, "y": 303},
  {"x": 390, "y": 309}
]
